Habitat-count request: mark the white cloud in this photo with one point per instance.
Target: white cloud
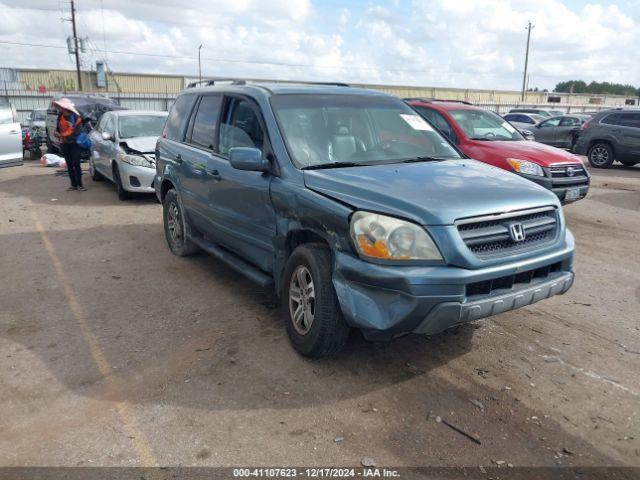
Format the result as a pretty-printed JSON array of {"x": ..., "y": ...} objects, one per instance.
[{"x": 442, "y": 42}]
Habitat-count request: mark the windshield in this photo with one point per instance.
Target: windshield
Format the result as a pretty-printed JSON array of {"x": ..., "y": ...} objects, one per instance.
[
  {"x": 355, "y": 129},
  {"x": 484, "y": 125},
  {"x": 131, "y": 126},
  {"x": 39, "y": 115}
]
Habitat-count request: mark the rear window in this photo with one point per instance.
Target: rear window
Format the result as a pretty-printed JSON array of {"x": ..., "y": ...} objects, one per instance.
[{"x": 174, "y": 128}]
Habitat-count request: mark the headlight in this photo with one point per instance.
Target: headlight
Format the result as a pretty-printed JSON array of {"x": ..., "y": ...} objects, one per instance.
[
  {"x": 387, "y": 238},
  {"x": 528, "y": 168},
  {"x": 135, "y": 160}
]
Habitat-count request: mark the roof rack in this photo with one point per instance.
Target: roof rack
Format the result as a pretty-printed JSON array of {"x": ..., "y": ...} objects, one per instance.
[
  {"x": 332, "y": 84},
  {"x": 211, "y": 82},
  {"x": 431, "y": 100},
  {"x": 235, "y": 81}
]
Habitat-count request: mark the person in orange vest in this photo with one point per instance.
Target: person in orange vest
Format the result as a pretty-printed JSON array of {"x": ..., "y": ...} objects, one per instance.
[{"x": 68, "y": 127}]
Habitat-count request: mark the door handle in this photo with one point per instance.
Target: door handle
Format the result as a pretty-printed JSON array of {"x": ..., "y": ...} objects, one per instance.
[
  {"x": 13, "y": 132},
  {"x": 178, "y": 158},
  {"x": 214, "y": 174}
]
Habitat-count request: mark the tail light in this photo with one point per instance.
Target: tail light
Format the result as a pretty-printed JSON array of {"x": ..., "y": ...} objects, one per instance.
[{"x": 585, "y": 125}]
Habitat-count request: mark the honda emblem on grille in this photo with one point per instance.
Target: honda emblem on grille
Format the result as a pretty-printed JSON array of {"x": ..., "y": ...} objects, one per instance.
[
  {"x": 570, "y": 171},
  {"x": 516, "y": 230}
]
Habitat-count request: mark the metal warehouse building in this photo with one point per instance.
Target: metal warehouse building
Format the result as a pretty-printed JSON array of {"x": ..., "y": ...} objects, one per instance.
[{"x": 33, "y": 88}]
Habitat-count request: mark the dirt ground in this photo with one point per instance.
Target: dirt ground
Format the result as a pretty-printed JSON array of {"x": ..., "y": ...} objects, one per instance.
[{"x": 115, "y": 352}]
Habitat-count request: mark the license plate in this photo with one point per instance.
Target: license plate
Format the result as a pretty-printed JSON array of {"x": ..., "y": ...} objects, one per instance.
[{"x": 572, "y": 194}]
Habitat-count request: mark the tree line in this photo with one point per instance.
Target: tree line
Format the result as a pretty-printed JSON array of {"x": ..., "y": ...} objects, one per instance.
[{"x": 607, "y": 88}]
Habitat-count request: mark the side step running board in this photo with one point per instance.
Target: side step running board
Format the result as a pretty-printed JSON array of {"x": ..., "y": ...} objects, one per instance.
[{"x": 233, "y": 261}]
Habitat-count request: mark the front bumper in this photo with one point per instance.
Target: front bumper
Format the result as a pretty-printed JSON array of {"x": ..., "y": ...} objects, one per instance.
[
  {"x": 388, "y": 301},
  {"x": 136, "y": 178},
  {"x": 559, "y": 186}
]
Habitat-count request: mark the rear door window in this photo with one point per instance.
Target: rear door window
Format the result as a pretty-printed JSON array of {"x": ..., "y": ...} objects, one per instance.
[
  {"x": 204, "y": 130},
  {"x": 613, "y": 119},
  {"x": 176, "y": 121}
]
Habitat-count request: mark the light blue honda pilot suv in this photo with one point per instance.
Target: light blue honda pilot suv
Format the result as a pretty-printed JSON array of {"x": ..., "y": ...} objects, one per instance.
[{"x": 357, "y": 211}]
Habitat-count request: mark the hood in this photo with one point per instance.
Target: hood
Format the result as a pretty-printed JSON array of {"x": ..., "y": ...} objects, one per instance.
[
  {"x": 141, "y": 144},
  {"x": 536, "y": 152},
  {"x": 430, "y": 193}
]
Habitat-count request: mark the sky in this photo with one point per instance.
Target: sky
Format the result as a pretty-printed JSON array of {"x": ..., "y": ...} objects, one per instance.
[{"x": 463, "y": 44}]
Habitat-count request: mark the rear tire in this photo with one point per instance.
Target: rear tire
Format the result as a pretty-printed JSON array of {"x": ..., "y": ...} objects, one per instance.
[
  {"x": 314, "y": 321},
  {"x": 600, "y": 155},
  {"x": 176, "y": 226},
  {"x": 122, "y": 193}
]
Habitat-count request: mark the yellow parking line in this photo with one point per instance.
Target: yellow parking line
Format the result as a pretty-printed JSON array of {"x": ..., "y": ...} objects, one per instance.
[{"x": 138, "y": 438}]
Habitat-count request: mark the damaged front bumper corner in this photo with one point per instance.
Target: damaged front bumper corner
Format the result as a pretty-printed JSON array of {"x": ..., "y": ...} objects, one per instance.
[{"x": 389, "y": 301}]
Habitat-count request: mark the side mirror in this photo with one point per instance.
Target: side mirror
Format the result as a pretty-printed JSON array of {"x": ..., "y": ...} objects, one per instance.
[
  {"x": 106, "y": 136},
  {"x": 28, "y": 119},
  {"x": 250, "y": 159}
]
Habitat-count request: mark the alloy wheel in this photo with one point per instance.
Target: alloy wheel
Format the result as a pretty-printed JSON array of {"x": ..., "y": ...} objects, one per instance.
[
  {"x": 302, "y": 299},
  {"x": 173, "y": 223},
  {"x": 599, "y": 155}
]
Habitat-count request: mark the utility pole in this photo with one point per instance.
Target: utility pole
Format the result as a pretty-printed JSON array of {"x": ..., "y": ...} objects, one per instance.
[
  {"x": 75, "y": 43},
  {"x": 526, "y": 60},
  {"x": 199, "y": 65}
]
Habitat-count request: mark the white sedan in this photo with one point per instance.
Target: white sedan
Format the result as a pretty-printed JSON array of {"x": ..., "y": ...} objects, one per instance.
[{"x": 123, "y": 149}]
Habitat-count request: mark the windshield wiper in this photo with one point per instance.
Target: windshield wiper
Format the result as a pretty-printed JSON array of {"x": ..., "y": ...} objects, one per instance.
[
  {"x": 332, "y": 165},
  {"x": 423, "y": 159}
]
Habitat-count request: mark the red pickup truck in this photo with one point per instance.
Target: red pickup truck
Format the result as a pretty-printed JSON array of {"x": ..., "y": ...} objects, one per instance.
[{"x": 485, "y": 136}]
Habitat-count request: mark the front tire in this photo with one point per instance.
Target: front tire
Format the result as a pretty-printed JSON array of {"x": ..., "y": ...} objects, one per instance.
[
  {"x": 600, "y": 155},
  {"x": 176, "y": 226},
  {"x": 95, "y": 175},
  {"x": 122, "y": 193},
  {"x": 314, "y": 321}
]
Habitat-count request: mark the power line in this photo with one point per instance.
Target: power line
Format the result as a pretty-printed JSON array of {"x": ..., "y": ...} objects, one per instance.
[{"x": 225, "y": 60}]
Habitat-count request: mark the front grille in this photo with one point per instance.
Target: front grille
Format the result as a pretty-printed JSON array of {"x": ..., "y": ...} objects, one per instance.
[
  {"x": 506, "y": 283},
  {"x": 492, "y": 235},
  {"x": 568, "y": 175}
]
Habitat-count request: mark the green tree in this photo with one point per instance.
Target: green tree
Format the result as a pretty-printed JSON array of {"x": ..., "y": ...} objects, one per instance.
[{"x": 604, "y": 88}]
